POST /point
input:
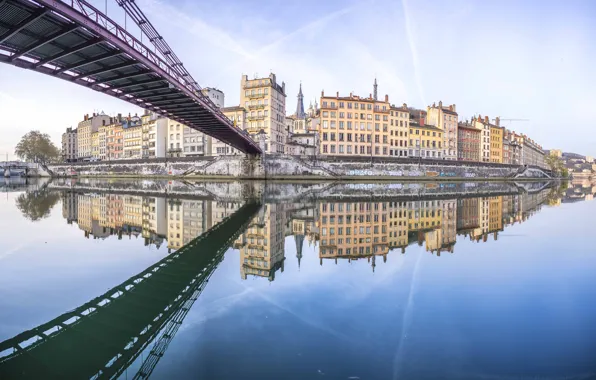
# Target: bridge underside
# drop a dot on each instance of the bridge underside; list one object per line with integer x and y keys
{"x": 85, "y": 47}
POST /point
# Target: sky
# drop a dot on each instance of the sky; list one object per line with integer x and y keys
{"x": 516, "y": 60}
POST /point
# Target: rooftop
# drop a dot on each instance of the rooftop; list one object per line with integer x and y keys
{"x": 232, "y": 109}
{"x": 426, "y": 126}
{"x": 467, "y": 126}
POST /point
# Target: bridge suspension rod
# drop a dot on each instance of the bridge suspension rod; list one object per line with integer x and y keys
{"x": 136, "y": 14}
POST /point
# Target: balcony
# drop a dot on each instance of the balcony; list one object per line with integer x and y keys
{"x": 257, "y": 83}
{"x": 256, "y": 106}
{"x": 255, "y": 96}
{"x": 262, "y": 117}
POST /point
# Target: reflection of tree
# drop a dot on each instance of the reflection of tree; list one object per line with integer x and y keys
{"x": 36, "y": 205}
{"x": 556, "y": 193}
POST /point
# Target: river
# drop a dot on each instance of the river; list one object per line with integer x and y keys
{"x": 222, "y": 280}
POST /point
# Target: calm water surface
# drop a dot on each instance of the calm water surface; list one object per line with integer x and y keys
{"x": 493, "y": 287}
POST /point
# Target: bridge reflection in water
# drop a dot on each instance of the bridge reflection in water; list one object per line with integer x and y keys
{"x": 103, "y": 337}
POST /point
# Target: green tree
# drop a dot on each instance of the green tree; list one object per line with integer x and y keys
{"x": 36, "y": 205}
{"x": 556, "y": 165}
{"x": 37, "y": 147}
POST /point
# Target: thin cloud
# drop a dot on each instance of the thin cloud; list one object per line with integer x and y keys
{"x": 413, "y": 50}
{"x": 310, "y": 27}
{"x": 198, "y": 27}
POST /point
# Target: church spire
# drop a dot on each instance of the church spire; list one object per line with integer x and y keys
{"x": 299, "y": 240}
{"x": 375, "y": 90}
{"x": 300, "y": 106}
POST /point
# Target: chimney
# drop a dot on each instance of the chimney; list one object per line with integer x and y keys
{"x": 440, "y": 104}
{"x": 451, "y": 108}
{"x": 322, "y": 93}
{"x": 486, "y": 119}
{"x": 386, "y": 98}
{"x": 498, "y": 121}
{"x": 454, "y": 108}
{"x": 337, "y": 94}
{"x": 405, "y": 106}
{"x": 370, "y": 96}
{"x": 351, "y": 95}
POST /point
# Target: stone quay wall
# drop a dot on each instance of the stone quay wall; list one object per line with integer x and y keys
{"x": 288, "y": 192}
{"x": 286, "y": 167}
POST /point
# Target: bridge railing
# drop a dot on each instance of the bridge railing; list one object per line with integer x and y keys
{"x": 180, "y": 75}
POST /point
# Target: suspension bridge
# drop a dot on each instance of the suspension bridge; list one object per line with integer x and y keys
{"x": 74, "y": 41}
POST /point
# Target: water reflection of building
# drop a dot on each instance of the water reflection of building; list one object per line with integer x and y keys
{"x": 115, "y": 210}
{"x": 301, "y": 225}
{"x": 221, "y": 210}
{"x": 480, "y": 233}
{"x": 133, "y": 215}
{"x": 262, "y": 245}
{"x": 154, "y": 221}
{"x": 448, "y": 226}
{"x": 467, "y": 215}
{"x": 195, "y": 219}
{"x": 70, "y": 206}
{"x": 495, "y": 217}
{"x": 353, "y": 230}
{"x": 424, "y": 223}
{"x": 175, "y": 224}
{"x": 333, "y": 230}
{"x": 398, "y": 225}
{"x": 84, "y": 212}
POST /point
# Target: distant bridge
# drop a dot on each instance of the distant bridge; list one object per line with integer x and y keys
{"x": 74, "y": 41}
{"x": 103, "y": 337}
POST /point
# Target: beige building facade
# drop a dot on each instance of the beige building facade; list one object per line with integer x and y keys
{"x": 69, "y": 145}
{"x": 154, "y": 135}
{"x": 426, "y": 141}
{"x": 356, "y": 126}
{"x": 84, "y": 134}
{"x": 446, "y": 119}
{"x": 95, "y": 146}
{"x": 132, "y": 137}
{"x": 484, "y": 126}
{"x": 175, "y": 143}
{"x": 264, "y": 100}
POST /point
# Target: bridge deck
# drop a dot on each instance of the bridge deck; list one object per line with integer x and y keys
{"x": 81, "y": 45}
{"x": 106, "y": 334}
